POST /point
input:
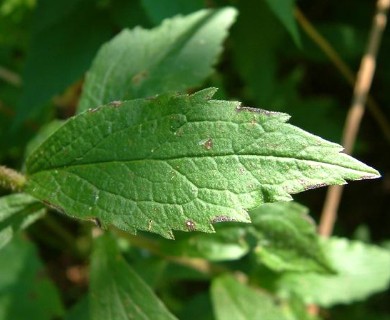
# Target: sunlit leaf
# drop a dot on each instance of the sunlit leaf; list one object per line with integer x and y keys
{"x": 287, "y": 238}
{"x": 138, "y": 63}
{"x": 180, "y": 162}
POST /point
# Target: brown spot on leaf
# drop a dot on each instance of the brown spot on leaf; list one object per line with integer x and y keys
{"x": 139, "y": 77}
{"x": 315, "y": 186}
{"x": 222, "y": 219}
{"x": 116, "y": 103}
{"x": 190, "y": 225}
{"x": 242, "y": 108}
{"x": 97, "y": 222}
{"x": 207, "y": 143}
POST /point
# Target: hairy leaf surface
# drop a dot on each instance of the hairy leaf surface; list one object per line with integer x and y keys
{"x": 180, "y": 162}
{"x": 287, "y": 238}
{"x": 140, "y": 63}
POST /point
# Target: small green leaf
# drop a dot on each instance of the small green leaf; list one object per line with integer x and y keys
{"x": 180, "y": 162}
{"x": 140, "y": 63}
{"x": 227, "y": 244}
{"x": 17, "y": 212}
{"x": 117, "y": 292}
{"x": 362, "y": 270}
{"x": 284, "y": 10}
{"x": 25, "y": 291}
{"x": 236, "y": 301}
{"x": 287, "y": 238}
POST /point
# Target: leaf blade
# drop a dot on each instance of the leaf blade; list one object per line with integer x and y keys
{"x": 180, "y": 162}
{"x": 284, "y": 11}
{"x": 362, "y": 270}
{"x": 122, "y": 295}
{"x": 234, "y": 300}
{"x": 26, "y": 291}
{"x": 287, "y": 239}
{"x": 175, "y": 56}
{"x": 17, "y": 212}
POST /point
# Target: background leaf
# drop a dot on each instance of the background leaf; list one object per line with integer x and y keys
{"x": 175, "y": 56}
{"x": 65, "y": 37}
{"x": 180, "y": 162}
{"x": 287, "y": 238}
{"x": 362, "y": 270}
{"x": 228, "y": 243}
{"x": 236, "y": 301}
{"x": 117, "y": 292}
{"x": 25, "y": 290}
{"x": 284, "y": 10}
{"x": 17, "y": 212}
{"x": 255, "y": 51}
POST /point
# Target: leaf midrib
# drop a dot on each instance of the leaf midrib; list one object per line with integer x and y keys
{"x": 278, "y": 158}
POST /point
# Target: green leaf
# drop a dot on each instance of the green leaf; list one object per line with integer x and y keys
{"x": 66, "y": 36}
{"x": 284, "y": 11}
{"x": 362, "y": 270}
{"x": 287, "y": 238}
{"x": 44, "y": 132}
{"x": 234, "y": 300}
{"x": 25, "y": 290}
{"x": 257, "y": 36}
{"x": 180, "y": 162}
{"x": 17, "y": 212}
{"x": 117, "y": 292}
{"x": 227, "y": 244}
{"x": 175, "y": 56}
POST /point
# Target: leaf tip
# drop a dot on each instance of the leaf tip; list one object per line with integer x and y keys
{"x": 205, "y": 94}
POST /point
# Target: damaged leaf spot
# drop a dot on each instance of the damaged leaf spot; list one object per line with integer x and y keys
{"x": 242, "y": 108}
{"x": 139, "y": 77}
{"x": 190, "y": 225}
{"x": 206, "y": 143}
{"x": 97, "y": 222}
{"x": 116, "y": 103}
{"x": 92, "y": 110}
{"x": 222, "y": 219}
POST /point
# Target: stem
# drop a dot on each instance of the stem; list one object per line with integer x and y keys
{"x": 11, "y": 179}
{"x": 356, "y": 111}
{"x": 10, "y": 77}
{"x": 343, "y": 68}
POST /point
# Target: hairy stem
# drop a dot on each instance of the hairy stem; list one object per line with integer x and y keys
{"x": 11, "y": 179}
